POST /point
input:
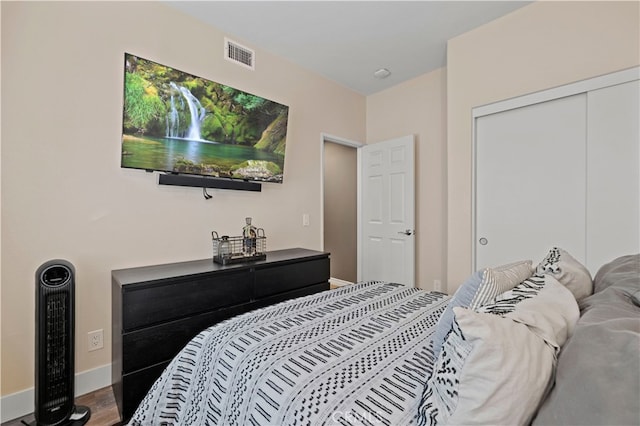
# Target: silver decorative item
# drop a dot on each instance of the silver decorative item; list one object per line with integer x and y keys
{"x": 237, "y": 249}
{"x": 249, "y": 235}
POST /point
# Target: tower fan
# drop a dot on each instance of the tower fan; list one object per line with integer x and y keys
{"x": 55, "y": 346}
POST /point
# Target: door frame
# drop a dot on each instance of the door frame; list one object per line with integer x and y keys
{"x": 599, "y": 82}
{"x": 324, "y": 138}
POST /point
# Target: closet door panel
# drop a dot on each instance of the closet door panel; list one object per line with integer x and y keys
{"x": 530, "y": 181}
{"x": 613, "y": 181}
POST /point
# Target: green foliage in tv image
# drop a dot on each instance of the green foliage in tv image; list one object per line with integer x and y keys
{"x": 175, "y": 121}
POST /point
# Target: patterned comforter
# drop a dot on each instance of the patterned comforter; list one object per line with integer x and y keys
{"x": 356, "y": 355}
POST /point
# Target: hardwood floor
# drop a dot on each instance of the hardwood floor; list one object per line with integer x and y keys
{"x": 104, "y": 411}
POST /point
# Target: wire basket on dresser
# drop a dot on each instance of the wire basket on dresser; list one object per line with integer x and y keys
{"x": 236, "y": 249}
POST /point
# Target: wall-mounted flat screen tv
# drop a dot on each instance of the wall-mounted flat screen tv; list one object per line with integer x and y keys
{"x": 180, "y": 123}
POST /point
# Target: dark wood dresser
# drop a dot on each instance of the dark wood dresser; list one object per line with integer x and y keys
{"x": 157, "y": 309}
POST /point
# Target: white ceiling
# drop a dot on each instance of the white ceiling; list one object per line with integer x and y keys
{"x": 347, "y": 41}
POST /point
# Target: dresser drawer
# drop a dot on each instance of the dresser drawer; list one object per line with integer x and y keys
{"x": 282, "y": 278}
{"x": 162, "y": 342}
{"x": 147, "y": 305}
{"x": 281, "y": 297}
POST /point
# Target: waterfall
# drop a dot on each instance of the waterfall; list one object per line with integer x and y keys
{"x": 196, "y": 111}
{"x": 173, "y": 120}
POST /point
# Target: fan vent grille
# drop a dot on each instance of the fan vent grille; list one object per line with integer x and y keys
{"x": 57, "y": 342}
{"x": 239, "y": 54}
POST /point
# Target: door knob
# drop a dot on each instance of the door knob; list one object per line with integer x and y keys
{"x": 483, "y": 241}
{"x": 407, "y": 232}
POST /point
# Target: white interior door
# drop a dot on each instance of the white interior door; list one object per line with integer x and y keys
{"x": 388, "y": 211}
{"x": 530, "y": 181}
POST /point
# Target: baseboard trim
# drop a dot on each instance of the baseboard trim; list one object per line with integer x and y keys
{"x": 337, "y": 282}
{"x": 21, "y": 403}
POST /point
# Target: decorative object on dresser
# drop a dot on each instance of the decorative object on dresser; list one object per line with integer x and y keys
{"x": 157, "y": 309}
{"x": 251, "y": 245}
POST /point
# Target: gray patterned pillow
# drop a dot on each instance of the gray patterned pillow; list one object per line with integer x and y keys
{"x": 566, "y": 269}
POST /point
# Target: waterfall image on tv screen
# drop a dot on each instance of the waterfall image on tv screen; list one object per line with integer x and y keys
{"x": 177, "y": 122}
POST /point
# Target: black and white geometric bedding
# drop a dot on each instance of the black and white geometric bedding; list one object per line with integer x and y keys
{"x": 360, "y": 354}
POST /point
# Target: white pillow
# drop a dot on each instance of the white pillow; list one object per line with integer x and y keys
{"x": 496, "y": 364}
{"x": 492, "y": 370}
{"x": 570, "y": 272}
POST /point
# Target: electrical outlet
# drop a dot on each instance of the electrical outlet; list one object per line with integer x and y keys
{"x": 305, "y": 219}
{"x": 437, "y": 285}
{"x": 96, "y": 340}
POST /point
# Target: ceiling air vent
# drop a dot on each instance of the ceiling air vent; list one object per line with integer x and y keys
{"x": 239, "y": 54}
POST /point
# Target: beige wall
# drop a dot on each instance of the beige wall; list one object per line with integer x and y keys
{"x": 340, "y": 209}
{"x": 418, "y": 107}
{"x": 64, "y": 194}
{"x": 543, "y": 45}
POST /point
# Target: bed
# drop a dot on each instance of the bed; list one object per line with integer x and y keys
{"x": 379, "y": 353}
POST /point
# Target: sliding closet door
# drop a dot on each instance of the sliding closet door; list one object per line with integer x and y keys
{"x": 613, "y": 181}
{"x": 530, "y": 181}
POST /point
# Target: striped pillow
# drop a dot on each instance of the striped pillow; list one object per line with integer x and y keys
{"x": 498, "y": 280}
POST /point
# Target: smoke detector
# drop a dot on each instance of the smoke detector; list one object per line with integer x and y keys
{"x": 239, "y": 54}
{"x": 382, "y": 73}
